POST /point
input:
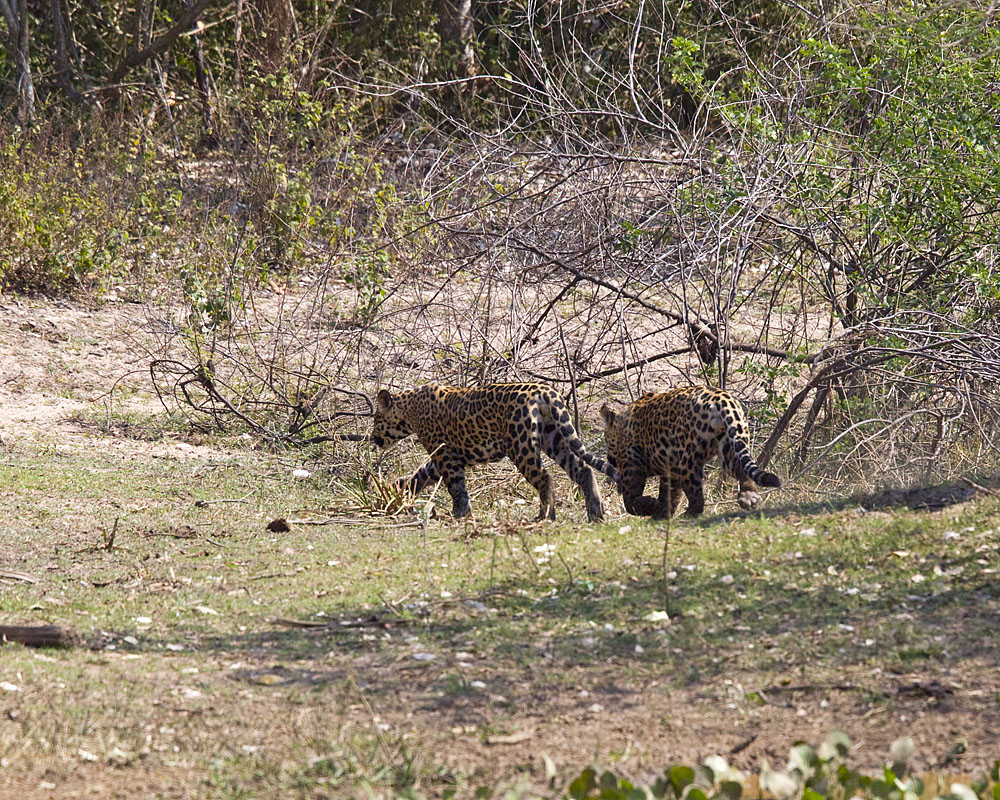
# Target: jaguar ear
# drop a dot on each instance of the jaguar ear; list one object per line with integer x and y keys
{"x": 608, "y": 416}
{"x": 384, "y": 400}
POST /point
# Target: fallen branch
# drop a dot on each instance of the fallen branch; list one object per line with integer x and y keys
{"x": 350, "y": 521}
{"x": 373, "y": 621}
{"x": 13, "y": 575}
{"x": 38, "y": 635}
{"x": 203, "y": 503}
{"x": 972, "y": 484}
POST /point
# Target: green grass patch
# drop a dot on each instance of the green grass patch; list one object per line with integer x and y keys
{"x": 193, "y": 673}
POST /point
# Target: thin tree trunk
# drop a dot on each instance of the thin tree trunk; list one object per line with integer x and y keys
{"x": 18, "y": 43}
{"x": 458, "y": 52}
{"x": 209, "y": 139}
{"x": 455, "y": 26}
{"x": 238, "y": 43}
{"x": 62, "y": 59}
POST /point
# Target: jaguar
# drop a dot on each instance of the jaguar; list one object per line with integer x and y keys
{"x": 462, "y": 426}
{"x": 671, "y": 435}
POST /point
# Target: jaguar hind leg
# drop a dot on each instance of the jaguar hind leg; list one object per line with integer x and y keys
{"x": 527, "y": 457}
{"x": 558, "y": 448}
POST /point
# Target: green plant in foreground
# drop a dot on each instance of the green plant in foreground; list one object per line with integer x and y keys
{"x": 811, "y": 774}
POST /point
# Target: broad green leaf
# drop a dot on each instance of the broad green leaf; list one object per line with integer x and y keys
{"x": 680, "y": 776}
{"x": 582, "y": 784}
{"x": 731, "y": 790}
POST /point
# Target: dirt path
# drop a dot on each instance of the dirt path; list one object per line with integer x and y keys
{"x": 57, "y": 359}
{"x": 63, "y": 366}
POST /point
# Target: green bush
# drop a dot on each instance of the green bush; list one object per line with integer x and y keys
{"x": 54, "y": 227}
{"x": 811, "y": 774}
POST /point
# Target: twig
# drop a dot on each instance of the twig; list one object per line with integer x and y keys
{"x": 184, "y": 532}
{"x": 203, "y": 503}
{"x": 352, "y": 521}
{"x": 374, "y": 718}
{"x": 666, "y": 547}
{"x": 812, "y": 687}
{"x": 980, "y": 488}
{"x": 373, "y": 621}
{"x": 13, "y": 575}
{"x": 569, "y": 572}
{"x": 572, "y": 381}
{"x": 606, "y": 373}
{"x": 545, "y": 312}
{"x": 266, "y": 575}
{"x": 110, "y": 541}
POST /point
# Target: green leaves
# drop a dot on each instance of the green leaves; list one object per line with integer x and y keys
{"x": 680, "y": 777}
{"x": 811, "y": 774}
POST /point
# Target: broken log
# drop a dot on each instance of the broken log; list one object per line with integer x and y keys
{"x": 38, "y": 635}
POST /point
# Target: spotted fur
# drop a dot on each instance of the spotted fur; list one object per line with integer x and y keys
{"x": 459, "y": 427}
{"x": 671, "y": 435}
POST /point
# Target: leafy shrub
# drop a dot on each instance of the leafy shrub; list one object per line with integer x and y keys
{"x": 811, "y": 774}
{"x": 54, "y": 230}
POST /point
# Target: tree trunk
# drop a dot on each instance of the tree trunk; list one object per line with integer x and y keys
{"x": 275, "y": 22}
{"x": 17, "y": 44}
{"x": 209, "y": 139}
{"x": 458, "y": 36}
{"x": 62, "y": 58}
{"x": 458, "y": 52}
